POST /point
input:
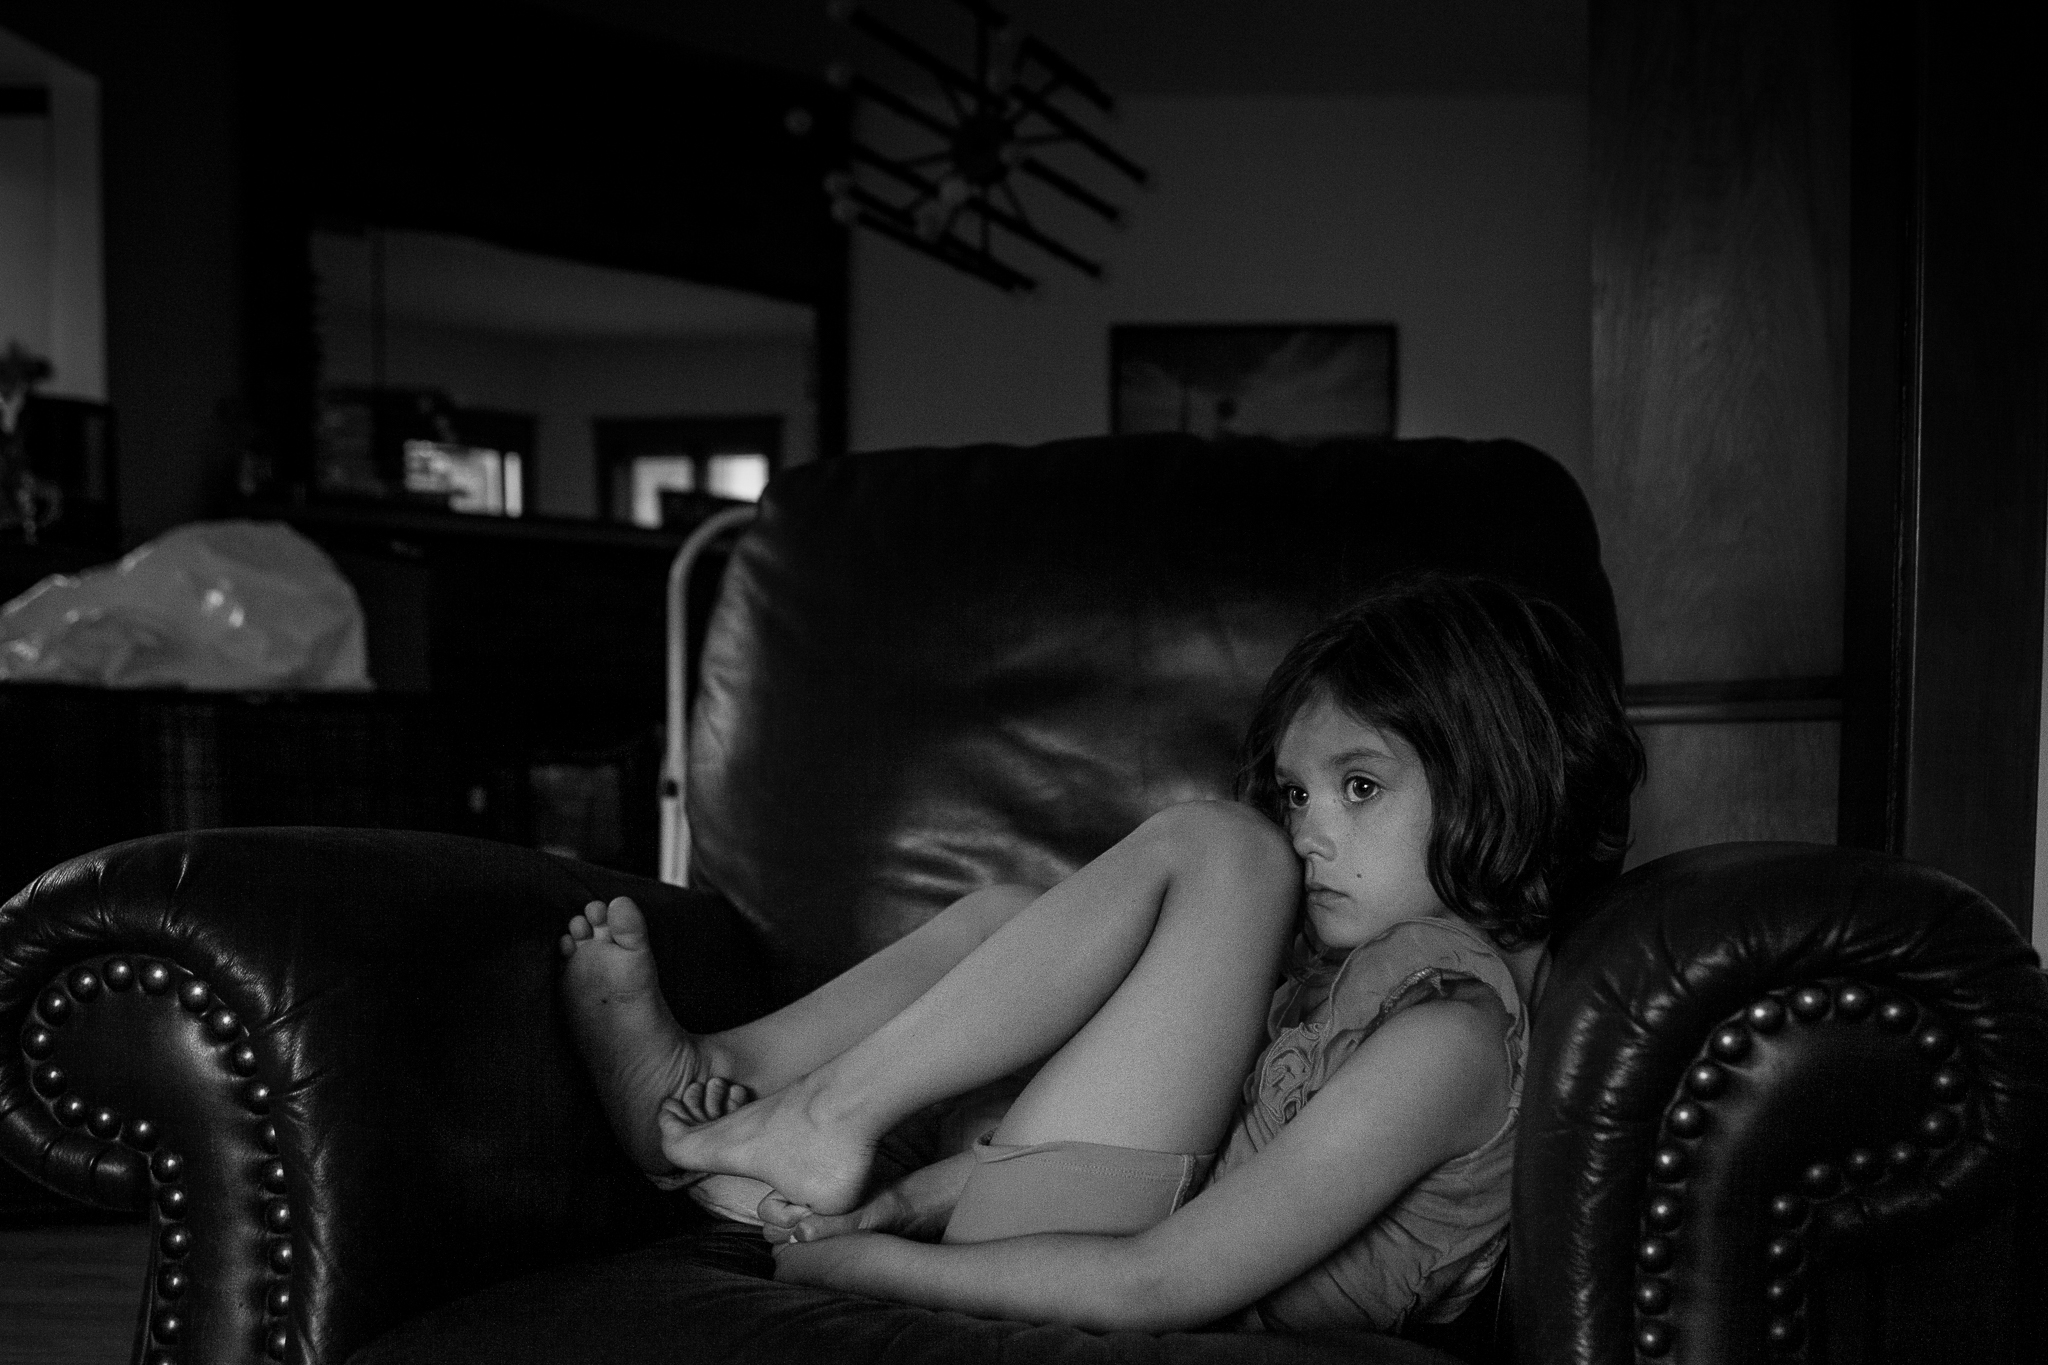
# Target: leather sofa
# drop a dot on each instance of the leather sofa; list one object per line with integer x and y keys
{"x": 1786, "y": 1102}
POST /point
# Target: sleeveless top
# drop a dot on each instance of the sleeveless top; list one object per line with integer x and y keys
{"x": 1429, "y": 1252}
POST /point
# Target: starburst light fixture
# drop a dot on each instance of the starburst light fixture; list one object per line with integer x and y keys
{"x": 994, "y": 127}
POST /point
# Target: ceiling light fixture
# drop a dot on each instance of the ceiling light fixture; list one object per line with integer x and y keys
{"x": 993, "y": 127}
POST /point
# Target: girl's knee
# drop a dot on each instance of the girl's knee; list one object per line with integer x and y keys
{"x": 1227, "y": 838}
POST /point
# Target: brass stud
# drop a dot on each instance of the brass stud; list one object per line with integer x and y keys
{"x": 156, "y": 978}
{"x": 161, "y": 1357}
{"x": 1854, "y": 1001}
{"x": 171, "y": 1282}
{"x": 1820, "y": 1179}
{"x": 84, "y": 983}
{"x": 1664, "y": 1212}
{"x": 1670, "y": 1164}
{"x": 1863, "y": 1165}
{"x": 1935, "y": 1042}
{"x": 104, "y": 1124}
{"x": 281, "y": 1257}
{"x": 173, "y": 1201}
{"x": 1788, "y": 1208}
{"x": 70, "y": 1111}
{"x": 266, "y": 1136}
{"x": 1783, "y": 1294}
{"x": 1902, "y": 1155}
{"x": 1896, "y": 1014}
{"x": 256, "y": 1097}
{"x": 1654, "y": 1253}
{"x": 273, "y": 1176}
{"x": 242, "y": 1059}
{"x": 276, "y": 1342}
{"x": 38, "y": 1042}
{"x": 195, "y": 996}
{"x": 55, "y": 1005}
{"x": 1786, "y": 1331}
{"x": 1730, "y": 1044}
{"x": 120, "y": 973}
{"x": 223, "y": 1024}
{"x": 49, "y": 1080}
{"x": 277, "y": 1216}
{"x": 279, "y": 1300}
{"x": 1688, "y": 1120}
{"x": 1706, "y": 1080}
{"x": 1938, "y": 1128}
{"x": 1784, "y": 1252}
{"x": 1810, "y": 1002}
{"x": 167, "y": 1166}
{"x": 166, "y": 1324}
{"x": 1652, "y": 1296}
{"x": 1766, "y": 1015}
{"x": 175, "y": 1241}
{"x": 1653, "y": 1338}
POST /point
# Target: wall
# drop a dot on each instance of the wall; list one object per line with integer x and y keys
{"x": 52, "y": 296}
{"x": 567, "y": 383}
{"x": 171, "y": 211}
{"x": 1460, "y": 219}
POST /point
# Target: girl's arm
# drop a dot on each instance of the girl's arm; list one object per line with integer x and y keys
{"x": 1428, "y": 1086}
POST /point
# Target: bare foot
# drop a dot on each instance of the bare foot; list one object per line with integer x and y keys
{"x": 782, "y": 1139}
{"x": 638, "y": 1055}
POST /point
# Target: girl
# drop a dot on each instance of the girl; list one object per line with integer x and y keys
{"x": 1429, "y": 782}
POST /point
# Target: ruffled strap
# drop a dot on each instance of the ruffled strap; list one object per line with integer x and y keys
{"x": 1413, "y": 960}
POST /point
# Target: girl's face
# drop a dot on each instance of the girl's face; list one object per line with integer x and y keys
{"x": 1359, "y": 815}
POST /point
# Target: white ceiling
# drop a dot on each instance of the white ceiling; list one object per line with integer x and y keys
{"x": 1178, "y": 47}
{"x": 455, "y": 282}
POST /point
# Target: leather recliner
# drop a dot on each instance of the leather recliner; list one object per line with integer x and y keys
{"x": 1785, "y": 1102}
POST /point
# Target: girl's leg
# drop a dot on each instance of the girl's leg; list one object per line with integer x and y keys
{"x": 639, "y": 1056}
{"x": 1191, "y": 912}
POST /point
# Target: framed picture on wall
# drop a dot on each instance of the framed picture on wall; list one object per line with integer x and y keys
{"x": 1292, "y": 382}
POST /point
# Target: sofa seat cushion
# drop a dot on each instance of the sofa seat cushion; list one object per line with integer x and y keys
{"x": 707, "y": 1296}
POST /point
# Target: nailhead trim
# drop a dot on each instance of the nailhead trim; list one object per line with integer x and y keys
{"x": 1790, "y": 1210}
{"x": 54, "y": 1010}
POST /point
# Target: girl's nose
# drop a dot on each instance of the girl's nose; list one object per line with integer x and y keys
{"x": 1306, "y": 833}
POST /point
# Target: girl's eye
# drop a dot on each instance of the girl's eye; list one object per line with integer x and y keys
{"x": 1294, "y": 797}
{"x": 1360, "y": 788}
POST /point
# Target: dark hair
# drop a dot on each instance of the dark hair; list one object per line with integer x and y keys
{"x": 1517, "y": 719}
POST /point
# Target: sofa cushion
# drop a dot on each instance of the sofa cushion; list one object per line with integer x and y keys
{"x": 706, "y": 1297}
{"x": 934, "y": 669}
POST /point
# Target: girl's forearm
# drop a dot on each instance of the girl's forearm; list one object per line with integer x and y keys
{"x": 1097, "y": 1283}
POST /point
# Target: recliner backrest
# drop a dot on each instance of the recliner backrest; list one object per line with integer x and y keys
{"x": 933, "y": 669}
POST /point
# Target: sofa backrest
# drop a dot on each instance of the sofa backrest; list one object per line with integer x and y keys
{"x": 933, "y": 669}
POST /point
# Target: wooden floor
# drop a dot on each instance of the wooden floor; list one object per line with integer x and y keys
{"x": 69, "y": 1295}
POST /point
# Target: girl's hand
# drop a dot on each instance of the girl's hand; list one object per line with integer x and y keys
{"x": 916, "y": 1207}
{"x": 783, "y": 1223}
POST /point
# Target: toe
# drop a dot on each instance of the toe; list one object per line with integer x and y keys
{"x": 568, "y": 946}
{"x": 579, "y": 928}
{"x": 629, "y": 926}
{"x": 737, "y": 1096}
{"x": 714, "y": 1097}
{"x": 691, "y": 1100}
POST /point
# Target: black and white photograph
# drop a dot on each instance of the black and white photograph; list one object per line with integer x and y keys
{"x": 1170, "y": 682}
{"x": 1300, "y": 383}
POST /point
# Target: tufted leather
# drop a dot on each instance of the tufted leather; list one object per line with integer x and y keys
{"x": 933, "y": 669}
{"x": 336, "y": 1067}
{"x": 1753, "y": 1059}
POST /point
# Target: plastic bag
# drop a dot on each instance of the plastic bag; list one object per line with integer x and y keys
{"x": 223, "y": 606}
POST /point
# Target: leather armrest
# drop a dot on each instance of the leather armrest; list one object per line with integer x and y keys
{"x": 1755, "y": 1061}
{"x": 334, "y": 1063}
